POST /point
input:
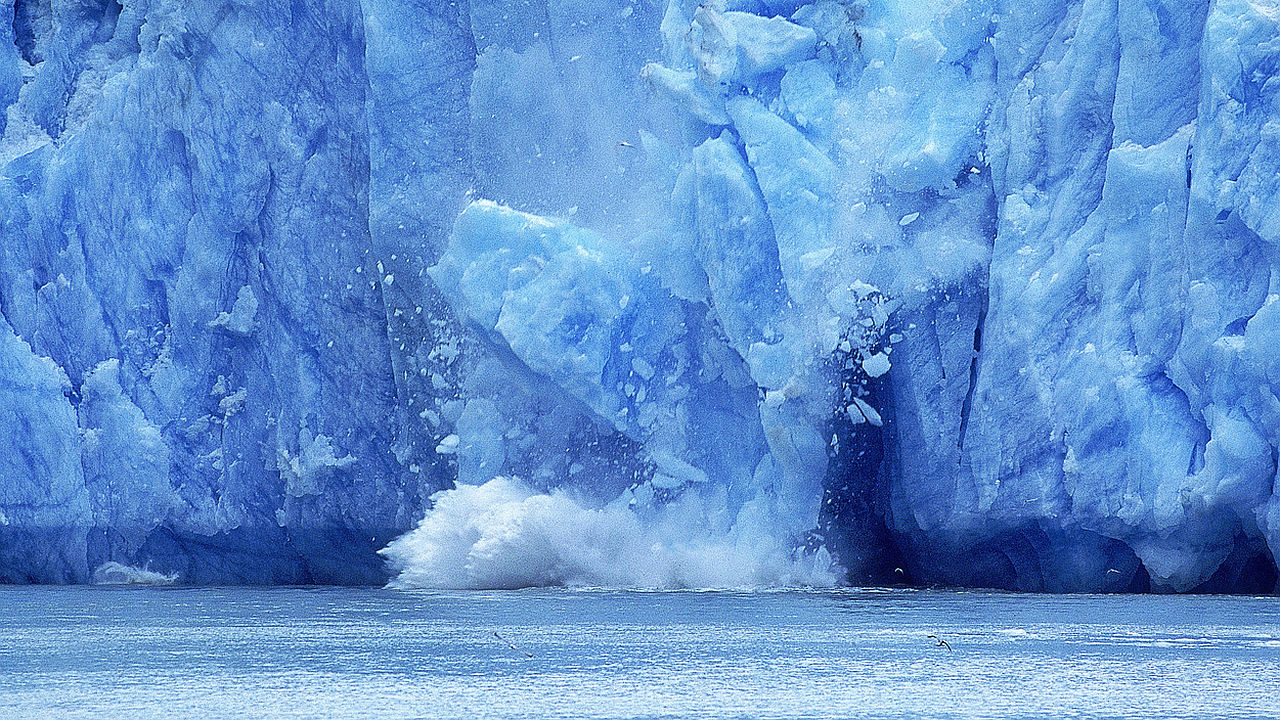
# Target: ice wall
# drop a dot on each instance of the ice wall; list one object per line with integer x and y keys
{"x": 965, "y": 292}
{"x": 204, "y": 375}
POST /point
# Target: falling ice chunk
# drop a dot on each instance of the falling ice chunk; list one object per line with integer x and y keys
{"x": 860, "y": 412}
{"x": 876, "y": 365}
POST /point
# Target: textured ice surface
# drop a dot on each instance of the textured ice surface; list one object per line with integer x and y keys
{"x": 973, "y": 292}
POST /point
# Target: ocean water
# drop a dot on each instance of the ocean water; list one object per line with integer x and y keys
{"x": 125, "y": 653}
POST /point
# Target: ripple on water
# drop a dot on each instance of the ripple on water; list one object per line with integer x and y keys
{"x": 348, "y": 653}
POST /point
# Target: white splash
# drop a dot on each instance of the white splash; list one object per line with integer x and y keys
{"x": 504, "y": 535}
{"x": 114, "y": 573}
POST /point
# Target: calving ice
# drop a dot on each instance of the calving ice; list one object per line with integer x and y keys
{"x": 720, "y": 294}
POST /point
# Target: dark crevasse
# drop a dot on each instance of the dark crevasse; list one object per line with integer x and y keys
{"x": 32, "y": 25}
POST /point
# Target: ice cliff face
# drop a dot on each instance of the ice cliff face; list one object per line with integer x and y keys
{"x": 187, "y": 239}
{"x": 758, "y": 292}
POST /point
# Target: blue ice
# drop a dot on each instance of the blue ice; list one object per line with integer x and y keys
{"x": 731, "y": 293}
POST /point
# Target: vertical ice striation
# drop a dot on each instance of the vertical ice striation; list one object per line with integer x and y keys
{"x": 186, "y": 239}
{"x": 44, "y": 505}
{"x": 642, "y": 292}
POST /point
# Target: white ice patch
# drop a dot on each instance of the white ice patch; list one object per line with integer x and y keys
{"x": 503, "y": 535}
{"x": 316, "y": 461}
{"x": 240, "y": 321}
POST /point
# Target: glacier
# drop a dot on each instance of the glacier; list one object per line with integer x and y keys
{"x": 641, "y": 293}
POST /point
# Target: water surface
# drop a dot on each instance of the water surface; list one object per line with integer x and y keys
{"x": 86, "y": 652}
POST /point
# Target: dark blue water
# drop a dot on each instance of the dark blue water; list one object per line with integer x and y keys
{"x": 343, "y": 653}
